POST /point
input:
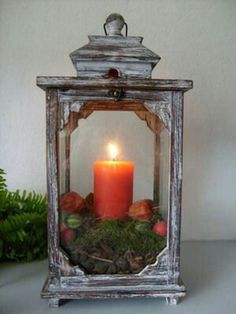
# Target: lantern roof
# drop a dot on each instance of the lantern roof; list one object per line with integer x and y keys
{"x": 114, "y": 55}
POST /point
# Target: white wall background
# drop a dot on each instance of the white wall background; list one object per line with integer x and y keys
{"x": 196, "y": 40}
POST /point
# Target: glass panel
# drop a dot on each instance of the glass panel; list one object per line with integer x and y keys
{"x": 164, "y": 172}
{"x": 109, "y": 221}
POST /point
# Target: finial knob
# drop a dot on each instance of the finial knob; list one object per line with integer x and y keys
{"x": 114, "y": 24}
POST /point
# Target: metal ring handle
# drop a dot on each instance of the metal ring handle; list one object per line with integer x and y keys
{"x": 126, "y": 29}
{"x": 104, "y": 27}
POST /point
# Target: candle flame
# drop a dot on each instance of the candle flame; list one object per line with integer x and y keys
{"x": 113, "y": 151}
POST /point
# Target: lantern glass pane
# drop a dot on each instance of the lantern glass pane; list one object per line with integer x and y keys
{"x": 127, "y": 236}
{"x": 164, "y": 172}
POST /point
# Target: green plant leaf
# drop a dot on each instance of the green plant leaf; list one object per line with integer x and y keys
{"x": 23, "y": 224}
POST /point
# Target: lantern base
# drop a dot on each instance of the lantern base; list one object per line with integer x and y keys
{"x": 105, "y": 288}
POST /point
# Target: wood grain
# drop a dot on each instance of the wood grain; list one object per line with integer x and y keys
{"x": 65, "y": 83}
{"x": 52, "y": 181}
{"x": 159, "y": 279}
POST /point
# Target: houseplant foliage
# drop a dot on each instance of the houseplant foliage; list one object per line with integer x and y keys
{"x": 23, "y": 227}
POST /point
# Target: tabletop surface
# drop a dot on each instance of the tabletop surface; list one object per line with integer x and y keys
{"x": 208, "y": 271}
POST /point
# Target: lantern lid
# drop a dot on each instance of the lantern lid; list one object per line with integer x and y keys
{"x": 114, "y": 55}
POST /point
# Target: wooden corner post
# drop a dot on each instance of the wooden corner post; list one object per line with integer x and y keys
{"x": 52, "y": 180}
{"x": 176, "y": 169}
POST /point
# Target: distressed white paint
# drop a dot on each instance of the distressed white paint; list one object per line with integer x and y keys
{"x": 196, "y": 40}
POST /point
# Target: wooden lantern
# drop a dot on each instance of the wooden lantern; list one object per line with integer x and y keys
{"x": 114, "y": 73}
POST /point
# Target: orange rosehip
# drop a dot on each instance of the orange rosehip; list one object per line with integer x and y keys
{"x": 141, "y": 210}
{"x": 71, "y": 202}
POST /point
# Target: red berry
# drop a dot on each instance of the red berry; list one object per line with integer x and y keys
{"x": 160, "y": 228}
{"x": 63, "y": 227}
{"x": 67, "y": 235}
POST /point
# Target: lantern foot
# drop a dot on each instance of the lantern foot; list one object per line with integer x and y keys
{"x": 172, "y": 300}
{"x": 54, "y": 302}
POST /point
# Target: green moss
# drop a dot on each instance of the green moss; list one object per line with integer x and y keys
{"x": 120, "y": 235}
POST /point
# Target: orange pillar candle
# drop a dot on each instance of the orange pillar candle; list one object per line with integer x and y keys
{"x": 113, "y": 188}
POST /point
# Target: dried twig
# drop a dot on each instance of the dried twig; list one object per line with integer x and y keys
{"x": 96, "y": 257}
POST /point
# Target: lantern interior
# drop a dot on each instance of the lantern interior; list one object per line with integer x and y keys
{"x": 113, "y": 246}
